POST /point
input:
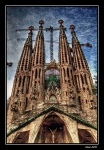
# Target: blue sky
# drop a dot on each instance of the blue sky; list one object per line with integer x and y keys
{"x": 85, "y": 19}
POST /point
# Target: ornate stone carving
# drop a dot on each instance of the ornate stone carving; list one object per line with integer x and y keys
{"x": 14, "y": 107}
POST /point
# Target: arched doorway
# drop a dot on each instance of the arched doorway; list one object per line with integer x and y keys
{"x": 53, "y": 130}
{"x": 85, "y": 136}
{"x": 22, "y": 137}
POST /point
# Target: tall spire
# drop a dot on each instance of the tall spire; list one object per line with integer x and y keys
{"x": 38, "y": 60}
{"x": 22, "y": 78}
{"x": 24, "y": 66}
{"x": 26, "y": 53}
{"x": 79, "y": 58}
{"x": 39, "y": 53}
{"x": 66, "y": 68}
{"x": 74, "y": 38}
{"x": 62, "y": 29}
{"x": 64, "y": 49}
{"x": 40, "y": 32}
{"x": 82, "y": 75}
{"x": 29, "y": 39}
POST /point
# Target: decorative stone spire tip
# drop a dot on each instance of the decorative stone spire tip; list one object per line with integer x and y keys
{"x": 60, "y": 22}
{"x": 41, "y": 22}
{"x": 31, "y": 28}
{"x": 72, "y": 27}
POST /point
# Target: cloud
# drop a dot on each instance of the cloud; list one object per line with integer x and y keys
{"x": 84, "y": 19}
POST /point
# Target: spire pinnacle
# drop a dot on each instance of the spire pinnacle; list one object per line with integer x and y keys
{"x": 72, "y": 27}
{"x": 31, "y": 28}
{"x": 41, "y": 22}
{"x": 29, "y": 39}
{"x": 75, "y": 39}
{"x": 60, "y": 22}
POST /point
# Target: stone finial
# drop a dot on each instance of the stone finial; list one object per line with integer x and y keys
{"x": 60, "y": 22}
{"x": 41, "y": 22}
{"x": 72, "y": 27}
{"x": 31, "y": 28}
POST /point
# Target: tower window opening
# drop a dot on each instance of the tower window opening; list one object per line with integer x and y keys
{"x": 19, "y": 81}
{"x": 68, "y": 72}
{"x": 23, "y": 81}
{"x": 83, "y": 88}
{"x": 85, "y": 78}
{"x": 64, "y": 72}
{"x": 35, "y": 73}
{"x": 22, "y": 91}
{"x": 26, "y": 101}
{"x": 86, "y": 101}
{"x": 79, "y": 101}
{"x": 82, "y": 79}
{"x": 75, "y": 80}
{"x": 87, "y": 88}
{"x": 39, "y": 72}
{"x": 17, "y": 92}
{"x": 28, "y": 82}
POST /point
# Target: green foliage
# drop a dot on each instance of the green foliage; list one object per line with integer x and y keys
{"x": 52, "y": 78}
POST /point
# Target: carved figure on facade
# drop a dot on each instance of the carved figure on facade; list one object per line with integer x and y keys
{"x": 14, "y": 106}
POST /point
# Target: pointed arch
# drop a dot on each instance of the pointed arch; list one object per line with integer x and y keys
{"x": 22, "y": 137}
{"x": 85, "y": 136}
{"x": 53, "y": 130}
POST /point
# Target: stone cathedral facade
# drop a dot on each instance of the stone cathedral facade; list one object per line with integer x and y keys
{"x": 52, "y": 102}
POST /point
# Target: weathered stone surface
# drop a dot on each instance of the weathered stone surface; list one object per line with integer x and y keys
{"x": 39, "y": 85}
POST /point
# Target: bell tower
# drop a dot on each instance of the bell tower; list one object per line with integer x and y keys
{"x": 83, "y": 79}
{"x": 20, "y": 90}
{"x": 37, "y": 68}
{"x": 52, "y": 102}
{"x": 68, "y": 91}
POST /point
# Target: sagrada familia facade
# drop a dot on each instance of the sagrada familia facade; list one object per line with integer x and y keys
{"x": 52, "y": 102}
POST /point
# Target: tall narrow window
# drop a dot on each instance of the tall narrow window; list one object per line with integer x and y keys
{"x": 35, "y": 73}
{"x": 26, "y": 101}
{"x": 28, "y": 82}
{"x": 82, "y": 79}
{"x": 39, "y": 72}
{"x": 19, "y": 81}
{"x": 85, "y": 78}
{"x": 78, "y": 81}
{"x": 75, "y": 80}
{"x": 64, "y": 71}
{"x": 79, "y": 101}
{"x": 23, "y": 81}
{"x": 68, "y": 72}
